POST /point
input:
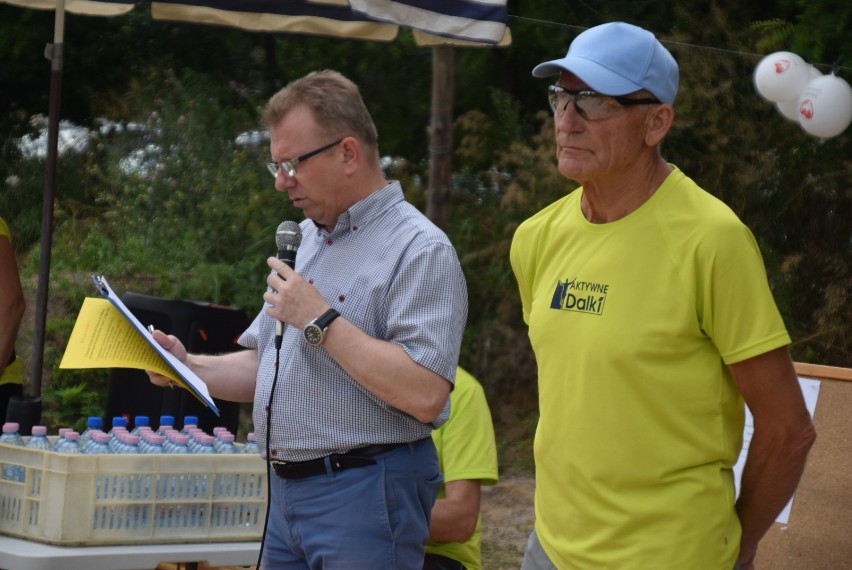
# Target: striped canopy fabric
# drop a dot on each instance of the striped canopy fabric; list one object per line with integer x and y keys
{"x": 482, "y": 21}
{"x": 83, "y": 7}
{"x": 464, "y": 23}
{"x": 318, "y": 17}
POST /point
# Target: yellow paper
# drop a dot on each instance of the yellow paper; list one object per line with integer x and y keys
{"x": 102, "y": 338}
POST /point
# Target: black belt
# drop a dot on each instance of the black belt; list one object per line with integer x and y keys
{"x": 361, "y": 457}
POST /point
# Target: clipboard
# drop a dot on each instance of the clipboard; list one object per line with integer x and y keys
{"x": 186, "y": 377}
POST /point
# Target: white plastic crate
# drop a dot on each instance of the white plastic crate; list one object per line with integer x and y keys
{"x": 129, "y": 499}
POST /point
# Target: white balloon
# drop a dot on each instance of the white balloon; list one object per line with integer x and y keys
{"x": 781, "y": 76}
{"x": 813, "y": 73}
{"x": 825, "y": 106}
{"x": 790, "y": 108}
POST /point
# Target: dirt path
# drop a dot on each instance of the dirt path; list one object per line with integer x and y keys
{"x": 507, "y": 519}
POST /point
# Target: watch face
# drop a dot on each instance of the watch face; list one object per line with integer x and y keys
{"x": 313, "y": 334}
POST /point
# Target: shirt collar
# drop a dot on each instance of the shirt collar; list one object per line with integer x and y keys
{"x": 367, "y": 209}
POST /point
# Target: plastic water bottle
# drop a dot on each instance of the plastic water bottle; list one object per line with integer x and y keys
{"x": 217, "y": 432}
{"x": 178, "y": 444}
{"x": 61, "y": 439}
{"x": 140, "y": 422}
{"x": 119, "y": 425}
{"x": 223, "y": 483}
{"x": 204, "y": 444}
{"x": 144, "y": 433}
{"x": 143, "y": 441}
{"x": 116, "y": 438}
{"x": 116, "y": 442}
{"x": 71, "y": 445}
{"x": 128, "y": 443}
{"x": 177, "y": 482}
{"x": 200, "y": 489}
{"x": 10, "y": 436}
{"x": 188, "y": 422}
{"x": 98, "y": 443}
{"x": 251, "y": 445}
{"x": 191, "y": 430}
{"x": 92, "y": 423}
{"x": 118, "y": 421}
{"x": 166, "y": 423}
{"x": 38, "y": 439}
{"x": 167, "y": 442}
{"x": 227, "y": 445}
{"x": 193, "y": 435}
{"x": 165, "y": 429}
{"x": 153, "y": 444}
{"x": 169, "y": 435}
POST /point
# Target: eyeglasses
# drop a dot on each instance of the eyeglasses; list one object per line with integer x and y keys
{"x": 591, "y": 105}
{"x": 288, "y": 167}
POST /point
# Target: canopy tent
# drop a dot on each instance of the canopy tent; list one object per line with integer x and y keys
{"x": 482, "y": 21}
{"x": 437, "y": 23}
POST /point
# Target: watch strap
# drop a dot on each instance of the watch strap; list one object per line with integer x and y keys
{"x": 325, "y": 319}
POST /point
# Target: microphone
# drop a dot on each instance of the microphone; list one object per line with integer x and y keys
{"x": 288, "y": 238}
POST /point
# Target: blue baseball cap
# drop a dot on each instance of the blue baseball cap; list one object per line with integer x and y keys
{"x": 616, "y": 59}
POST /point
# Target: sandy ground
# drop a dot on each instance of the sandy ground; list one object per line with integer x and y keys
{"x": 507, "y": 519}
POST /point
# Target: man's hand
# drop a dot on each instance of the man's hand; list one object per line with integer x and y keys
{"x": 293, "y": 300}
{"x": 173, "y": 345}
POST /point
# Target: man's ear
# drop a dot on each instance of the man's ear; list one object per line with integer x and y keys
{"x": 351, "y": 152}
{"x": 658, "y": 123}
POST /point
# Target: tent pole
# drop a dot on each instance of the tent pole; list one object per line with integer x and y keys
{"x": 54, "y": 52}
{"x": 440, "y": 135}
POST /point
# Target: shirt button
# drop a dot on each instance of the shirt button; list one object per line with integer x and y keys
{"x": 329, "y": 241}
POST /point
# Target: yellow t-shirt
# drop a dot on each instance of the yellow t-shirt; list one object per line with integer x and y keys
{"x": 466, "y": 450}
{"x": 632, "y": 323}
{"x": 14, "y": 372}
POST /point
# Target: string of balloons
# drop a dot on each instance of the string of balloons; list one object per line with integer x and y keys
{"x": 821, "y": 104}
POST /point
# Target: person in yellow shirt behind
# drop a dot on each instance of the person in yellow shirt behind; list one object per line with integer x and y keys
{"x": 12, "y": 306}
{"x": 467, "y": 457}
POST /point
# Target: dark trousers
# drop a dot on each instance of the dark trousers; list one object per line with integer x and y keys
{"x": 438, "y": 562}
{"x": 6, "y": 392}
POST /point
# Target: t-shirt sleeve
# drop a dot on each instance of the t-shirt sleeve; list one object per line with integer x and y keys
{"x": 468, "y": 448}
{"x": 736, "y": 306}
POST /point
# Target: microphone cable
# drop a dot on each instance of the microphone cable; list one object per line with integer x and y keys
{"x": 267, "y": 445}
{"x": 288, "y": 238}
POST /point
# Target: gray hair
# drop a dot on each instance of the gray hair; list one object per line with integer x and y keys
{"x": 335, "y": 102}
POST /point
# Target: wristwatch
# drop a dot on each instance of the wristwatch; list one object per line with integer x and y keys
{"x": 314, "y": 331}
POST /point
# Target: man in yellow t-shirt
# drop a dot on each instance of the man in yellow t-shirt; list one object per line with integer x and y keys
{"x": 12, "y": 306}
{"x": 467, "y": 456}
{"x": 652, "y": 322}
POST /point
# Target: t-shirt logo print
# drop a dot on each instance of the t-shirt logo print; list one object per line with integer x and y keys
{"x": 579, "y": 296}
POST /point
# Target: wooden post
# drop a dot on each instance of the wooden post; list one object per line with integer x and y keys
{"x": 55, "y": 52}
{"x": 440, "y": 135}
